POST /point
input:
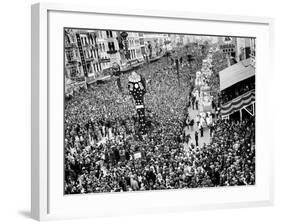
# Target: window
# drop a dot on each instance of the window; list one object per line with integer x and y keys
{"x": 69, "y": 55}
{"x": 86, "y": 40}
{"x": 89, "y": 68}
{"x": 109, "y": 34}
{"x": 73, "y": 72}
{"x": 111, "y": 46}
{"x": 90, "y": 40}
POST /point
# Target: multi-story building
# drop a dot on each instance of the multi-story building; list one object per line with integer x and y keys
{"x": 103, "y": 48}
{"x": 142, "y": 44}
{"x": 245, "y": 48}
{"x": 228, "y": 45}
{"x": 176, "y": 40}
{"x": 73, "y": 65}
{"x": 89, "y": 53}
{"x": 112, "y": 47}
{"x": 237, "y": 48}
{"x": 134, "y": 47}
{"x": 155, "y": 43}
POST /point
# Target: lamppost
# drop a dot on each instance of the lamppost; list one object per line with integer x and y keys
{"x": 150, "y": 50}
{"x": 97, "y": 49}
{"x": 168, "y": 53}
{"x": 124, "y": 40}
{"x": 175, "y": 58}
{"x": 117, "y": 73}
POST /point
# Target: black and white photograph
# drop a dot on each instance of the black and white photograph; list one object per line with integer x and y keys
{"x": 157, "y": 111}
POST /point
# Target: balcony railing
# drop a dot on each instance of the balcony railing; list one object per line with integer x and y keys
{"x": 112, "y": 51}
{"x": 71, "y": 45}
{"x": 72, "y": 60}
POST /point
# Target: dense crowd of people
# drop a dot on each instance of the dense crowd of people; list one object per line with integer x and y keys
{"x": 105, "y": 153}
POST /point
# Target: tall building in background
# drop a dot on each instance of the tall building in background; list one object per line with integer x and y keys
{"x": 134, "y": 47}
{"x": 142, "y": 44}
{"x": 112, "y": 47}
{"x": 245, "y": 48}
{"x": 103, "y": 48}
{"x": 156, "y": 43}
{"x": 176, "y": 40}
{"x": 73, "y": 65}
{"x": 237, "y": 48}
{"x": 89, "y": 52}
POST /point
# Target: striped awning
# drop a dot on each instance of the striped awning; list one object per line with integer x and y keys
{"x": 238, "y": 103}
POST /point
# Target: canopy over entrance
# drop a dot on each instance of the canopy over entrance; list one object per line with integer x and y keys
{"x": 236, "y": 73}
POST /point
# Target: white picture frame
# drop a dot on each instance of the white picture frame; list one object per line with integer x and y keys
{"x": 46, "y": 199}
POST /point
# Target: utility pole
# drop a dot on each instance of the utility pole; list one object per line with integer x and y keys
{"x": 178, "y": 72}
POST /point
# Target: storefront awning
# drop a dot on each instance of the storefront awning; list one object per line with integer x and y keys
{"x": 236, "y": 73}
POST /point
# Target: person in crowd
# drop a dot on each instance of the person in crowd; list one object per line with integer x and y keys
{"x": 191, "y": 124}
{"x": 211, "y": 128}
{"x": 193, "y": 102}
{"x": 187, "y": 122}
{"x": 196, "y": 138}
{"x": 201, "y": 128}
{"x": 197, "y": 120}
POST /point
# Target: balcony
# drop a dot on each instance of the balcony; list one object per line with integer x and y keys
{"x": 90, "y": 59}
{"x": 71, "y": 45}
{"x": 72, "y": 60}
{"x": 112, "y": 52}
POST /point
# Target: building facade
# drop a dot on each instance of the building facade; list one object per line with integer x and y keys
{"x": 156, "y": 44}
{"x": 237, "y": 48}
{"x": 90, "y": 53}
{"x": 134, "y": 47}
{"x": 112, "y": 47}
{"x": 245, "y": 48}
{"x": 73, "y": 65}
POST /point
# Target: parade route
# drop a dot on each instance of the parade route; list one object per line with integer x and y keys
{"x": 201, "y": 140}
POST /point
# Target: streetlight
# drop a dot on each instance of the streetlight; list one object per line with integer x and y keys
{"x": 124, "y": 36}
{"x": 117, "y": 73}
